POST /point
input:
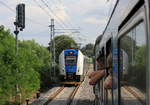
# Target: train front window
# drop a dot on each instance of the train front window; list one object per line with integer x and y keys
{"x": 133, "y": 66}
{"x": 71, "y": 60}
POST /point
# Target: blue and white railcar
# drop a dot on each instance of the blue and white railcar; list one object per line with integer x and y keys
{"x": 72, "y": 65}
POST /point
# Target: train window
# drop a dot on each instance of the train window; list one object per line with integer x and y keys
{"x": 71, "y": 60}
{"x": 133, "y": 66}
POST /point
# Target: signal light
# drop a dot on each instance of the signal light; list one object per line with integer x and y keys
{"x": 71, "y": 52}
{"x": 20, "y": 19}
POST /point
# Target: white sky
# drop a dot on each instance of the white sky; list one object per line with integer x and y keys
{"x": 89, "y": 15}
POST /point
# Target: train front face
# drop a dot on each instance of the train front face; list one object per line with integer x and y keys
{"x": 71, "y": 56}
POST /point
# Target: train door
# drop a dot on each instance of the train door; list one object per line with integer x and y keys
{"x": 133, "y": 61}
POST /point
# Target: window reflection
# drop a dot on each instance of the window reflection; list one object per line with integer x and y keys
{"x": 133, "y": 66}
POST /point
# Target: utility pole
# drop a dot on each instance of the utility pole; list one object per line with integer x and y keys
{"x": 52, "y": 47}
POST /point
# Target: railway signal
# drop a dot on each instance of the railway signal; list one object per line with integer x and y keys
{"x": 20, "y": 21}
{"x": 19, "y": 26}
{"x": 20, "y": 18}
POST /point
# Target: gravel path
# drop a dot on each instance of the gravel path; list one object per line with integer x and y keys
{"x": 61, "y": 99}
{"x": 85, "y": 95}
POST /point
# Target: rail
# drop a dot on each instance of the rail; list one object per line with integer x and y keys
{"x": 70, "y": 99}
{"x": 54, "y": 95}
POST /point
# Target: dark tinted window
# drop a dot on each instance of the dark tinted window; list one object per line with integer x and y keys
{"x": 71, "y": 60}
{"x": 133, "y": 66}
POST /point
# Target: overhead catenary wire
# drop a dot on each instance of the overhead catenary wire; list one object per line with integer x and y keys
{"x": 59, "y": 41}
{"x": 4, "y": 4}
{"x": 45, "y": 2}
{"x": 33, "y": 21}
{"x": 29, "y": 19}
{"x": 13, "y": 11}
{"x": 60, "y": 24}
{"x": 67, "y": 13}
{"x": 57, "y": 18}
{"x": 56, "y": 29}
{"x": 47, "y": 13}
{"x": 69, "y": 21}
{"x": 79, "y": 38}
{"x": 59, "y": 1}
{"x": 53, "y": 3}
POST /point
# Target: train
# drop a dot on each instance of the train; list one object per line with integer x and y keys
{"x": 127, "y": 37}
{"x": 73, "y": 65}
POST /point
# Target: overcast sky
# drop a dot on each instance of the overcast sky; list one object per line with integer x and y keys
{"x": 90, "y": 16}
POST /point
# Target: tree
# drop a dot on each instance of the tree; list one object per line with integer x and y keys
{"x": 7, "y": 57}
{"x": 40, "y": 58}
{"x": 88, "y": 50}
{"x": 26, "y": 70}
{"x": 63, "y": 42}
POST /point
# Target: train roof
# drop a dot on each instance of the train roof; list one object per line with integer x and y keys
{"x": 71, "y": 50}
{"x": 98, "y": 39}
{"x": 119, "y": 14}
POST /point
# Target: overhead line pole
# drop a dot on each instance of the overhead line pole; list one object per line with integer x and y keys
{"x": 52, "y": 47}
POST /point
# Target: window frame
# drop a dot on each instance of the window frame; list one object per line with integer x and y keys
{"x": 135, "y": 20}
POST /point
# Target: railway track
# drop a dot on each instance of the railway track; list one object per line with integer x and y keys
{"x": 69, "y": 99}
{"x": 54, "y": 95}
{"x": 137, "y": 96}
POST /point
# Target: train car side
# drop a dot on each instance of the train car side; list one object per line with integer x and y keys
{"x": 127, "y": 37}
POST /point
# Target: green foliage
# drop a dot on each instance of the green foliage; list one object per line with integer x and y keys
{"x": 24, "y": 70}
{"x": 140, "y": 67}
{"x": 88, "y": 50}
{"x": 64, "y": 42}
{"x": 7, "y": 53}
{"x": 39, "y": 58}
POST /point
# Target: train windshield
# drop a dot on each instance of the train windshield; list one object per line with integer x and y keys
{"x": 71, "y": 60}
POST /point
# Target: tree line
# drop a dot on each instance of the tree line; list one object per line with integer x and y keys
{"x": 29, "y": 71}
{"x": 22, "y": 74}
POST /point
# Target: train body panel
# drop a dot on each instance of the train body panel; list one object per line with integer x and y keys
{"x": 127, "y": 37}
{"x": 80, "y": 64}
{"x": 62, "y": 63}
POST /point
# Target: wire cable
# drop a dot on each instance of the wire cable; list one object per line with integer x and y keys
{"x": 31, "y": 20}
{"x": 69, "y": 21}
{"x": 53, "y": 13}
{"x": 46, "y": 12}
{"x": 59, "y": 1}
